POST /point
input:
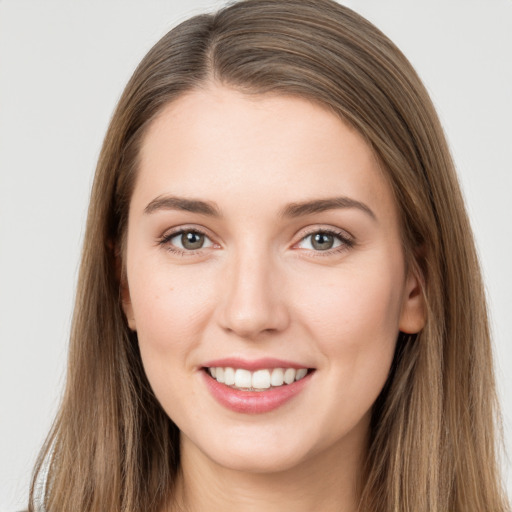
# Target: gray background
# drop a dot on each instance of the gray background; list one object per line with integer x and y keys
{"x": 62, "y": 68}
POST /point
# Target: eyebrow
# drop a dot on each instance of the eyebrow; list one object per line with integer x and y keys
{"x": 181, "y": 203}
{"x": 292, "y": 210}
{"x": 321, "y": 205}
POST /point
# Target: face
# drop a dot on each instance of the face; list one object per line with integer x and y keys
{"x": 265, "y": 277}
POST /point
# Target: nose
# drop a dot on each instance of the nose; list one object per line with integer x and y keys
{"x": 252, "y": 298}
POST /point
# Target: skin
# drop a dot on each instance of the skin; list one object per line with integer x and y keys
{"x": 259, "y": 288}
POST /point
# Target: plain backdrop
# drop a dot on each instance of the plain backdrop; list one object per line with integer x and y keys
{"x": 63, "y": 66}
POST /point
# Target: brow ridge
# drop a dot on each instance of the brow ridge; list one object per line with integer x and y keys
{"x": 311, "y": 207}
{"x": 183, "y": 203}
{"x": 292, "y": 210}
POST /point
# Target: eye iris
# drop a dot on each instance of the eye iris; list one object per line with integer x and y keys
{"x": 192, "y": 240}
{"x": 322, "y": 241}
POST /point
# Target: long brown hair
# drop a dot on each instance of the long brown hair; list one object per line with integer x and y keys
{"x": 432, "y": 441}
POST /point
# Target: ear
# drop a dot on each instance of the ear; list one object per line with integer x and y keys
{"x": 126, "y": 303}
{"x": 124, "y": 290}
{"x": 413, "y": 315}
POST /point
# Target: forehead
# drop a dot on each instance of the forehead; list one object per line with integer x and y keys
{"x": 268, "y": 149}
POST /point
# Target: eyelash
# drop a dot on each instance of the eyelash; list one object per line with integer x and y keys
{"x": 166, "y": 239}
{"x": 347, "y": 242}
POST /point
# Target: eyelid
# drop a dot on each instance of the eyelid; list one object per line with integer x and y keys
{"x": 169, "y": 234}
{"x": 347, "y": 240}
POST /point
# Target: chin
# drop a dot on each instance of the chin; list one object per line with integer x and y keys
{"x": 250, "y": 453}
{"x": 259, "y": 461}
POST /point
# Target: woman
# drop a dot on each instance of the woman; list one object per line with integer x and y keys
{"x": 279, "y": 302}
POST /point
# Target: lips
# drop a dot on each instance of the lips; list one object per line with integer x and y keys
{"x": 254, "y": 387}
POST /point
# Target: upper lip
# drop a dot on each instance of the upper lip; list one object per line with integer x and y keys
{"x": 253, "y": 364}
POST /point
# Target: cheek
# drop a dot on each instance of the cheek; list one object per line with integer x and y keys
{"x": 354, "y": 319}
{"x": 354, "y": 309}
{"x": 169, "y": 306}
{"x": 170, "y": 310}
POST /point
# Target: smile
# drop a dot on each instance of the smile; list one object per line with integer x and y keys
{"x": 259, "y": 380}
{"x": 255, "y": 387}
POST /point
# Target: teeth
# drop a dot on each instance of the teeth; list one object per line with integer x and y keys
{"x": 300, "y": 373}
{"x": 218, "y": 373}
{"x": 289, "y": 375}
{"x": 277, "y": 378}
{"x": 243, "y": 378}
{"x": 261, "y": 379}
{"x": 258, "y": 380}
{"x": 229, "y": 376}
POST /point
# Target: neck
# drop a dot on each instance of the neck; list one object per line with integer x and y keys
{"x": 327, "y": 481}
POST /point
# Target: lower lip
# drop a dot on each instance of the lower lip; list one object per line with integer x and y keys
{"x": 254, "y": 402}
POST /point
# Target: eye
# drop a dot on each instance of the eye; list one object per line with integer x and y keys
{"x": 325, "y": 240}
{"x": 186, "y": 240}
